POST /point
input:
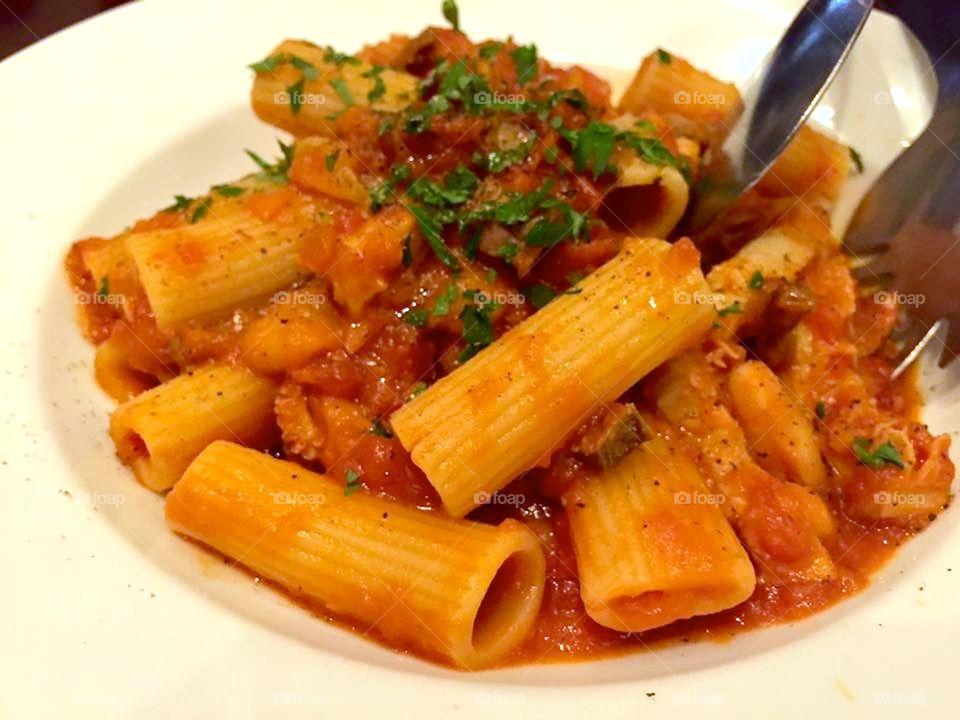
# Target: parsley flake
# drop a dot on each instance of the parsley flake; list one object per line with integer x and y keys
{"x": 338, "y": 58}
{"x": 451, "y": 13}
{"x": 385, "y": 192}
{"x": 380, "y": 430}
{"x": 416, "y": 317}
{"x": 295, "y": 93}
{"x": 487, "y": 52}
{"x": 756, "y": 281}
{"x": 883, "y": 454}
{"x": 478, "y": 329}
{"x": 181, "y": 203}
{"x": 733, "y": 309}
{"x": 352, "y": 484}
{"x": 379, "y": 88}
{"x": 431, "y": 230}
{"x": 343, "y": 91}
{"x": 525, "y": 59}
{"x": 201, "y": 209}
{"x": 277, "y": 172}
{"x": 444, "y": 301}
{"x": 228, "y": 190}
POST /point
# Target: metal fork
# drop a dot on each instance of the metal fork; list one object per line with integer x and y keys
{"x": 777, "y": 101}
{"x": 905, "y": 234}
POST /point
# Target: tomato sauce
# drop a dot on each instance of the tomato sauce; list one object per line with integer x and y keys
{"x": 381, "y": 358}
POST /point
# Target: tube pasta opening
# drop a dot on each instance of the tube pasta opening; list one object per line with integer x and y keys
{"x": 462, "y": 591}
{"x": 652, "y": 544}
{"x": 510, "y": 604}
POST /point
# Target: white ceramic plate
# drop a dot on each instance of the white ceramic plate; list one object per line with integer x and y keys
{"x": 109, "y": 615}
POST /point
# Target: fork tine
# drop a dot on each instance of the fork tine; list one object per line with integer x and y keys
{"x": 872, "y": 269}
{"x": 911, "y": 341}
{"x": 951, "y": 346}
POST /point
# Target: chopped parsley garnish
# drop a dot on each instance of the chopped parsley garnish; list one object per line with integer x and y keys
{"x": 431, "y": 230}
{"x": 821, "y": 410}
{"x": 441, "y": 307}
{"x": 455, "y": 82}
{"x": 478, "y": 329}
{"x": 653, "y": 151}
{"x": 417, "y": 317}
{"x": 201, "y": 209}
{"x": 386, "y": 126}
{"x": 294, "y": 93}
{"x": 451, "y": 13}
{"x": 664, "y": 57}
{"x": 756, "y": 281}
{"x": 547, "y": 233}
{"x": 488, "y": 51}
{"x": 407, "y": 258}
{"x": 458, "y": 187}
{"x": 338, "y": 58}
{"x": 181, "y": 203}
{"x": 508, "y": 251}
{"x": 228, "y": 190}
{"x": 733, "y": 309}
{"x": 883, "y": 454}
{"x": 574, "y": 98}
{"x": 104, "y": 289}
{"x": 592, "y": 147}
{"x": 343, "y": 91}
{"x": 379, "y": 88}
{"x": 857, "y": 159}
{"x": 353, "y": 482}
{"x": 525, "y": 59}
{"x": 385, "y": 192}
{"x": 420, "y": 121}
{"x": 268, "y": 64}
{"x": 277, "y": 172}
{"x": 380, "y": 430}
{"x": 551, "y": 154}
{"x": 271, "y": 63}
{"x": 521, "y": 206}
{"x": 499, "y": 160}
{"x": 539, "y": 295}
{"x": 331, "y": 160}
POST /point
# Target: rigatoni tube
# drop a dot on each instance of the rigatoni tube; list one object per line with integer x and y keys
{"x": 242, "y": 250}
{"x": 159, "y": 432}
{"x": 462, "y": 591}
{"x": 507, "y": 409}
{"x": 299, "y": 87}
{"x": 652, "y": 545}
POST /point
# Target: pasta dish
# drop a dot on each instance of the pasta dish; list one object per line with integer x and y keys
{"x": 448, "y": 370}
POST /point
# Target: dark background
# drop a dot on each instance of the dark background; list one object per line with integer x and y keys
{"x": 23, "y": 22}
